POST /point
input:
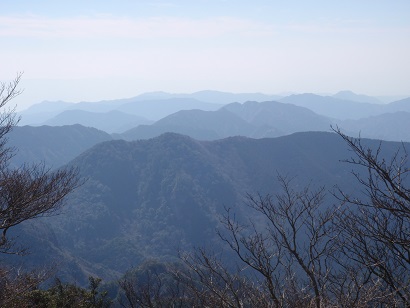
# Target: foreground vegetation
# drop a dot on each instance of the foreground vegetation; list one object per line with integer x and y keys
{"x": 298, "y": 250}
{"x": 301, "y": 253}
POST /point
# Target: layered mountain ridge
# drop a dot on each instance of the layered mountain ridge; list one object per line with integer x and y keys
{"x": 150, "y": 198}
{"x": 200, "y": 115}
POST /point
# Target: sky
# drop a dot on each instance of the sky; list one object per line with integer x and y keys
{"x": 91, "y": 50}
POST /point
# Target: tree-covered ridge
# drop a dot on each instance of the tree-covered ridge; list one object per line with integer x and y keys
{"x": 150, "y": 198}
{"x": 233, "y": 222}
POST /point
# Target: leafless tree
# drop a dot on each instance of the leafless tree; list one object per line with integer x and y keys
{"x": 210, "y": 283}
{"x": 291, "y": 253}
{"x": 308, "y": 252}
{"x": 16, "y": 285}
{"x": 312, "y": 254}
{"x": 286, "y": 263}
{"x": 26, "y": 192}
{"x": 376, "y": 227}
{"x": 29, "y": 192}
{"x": 153, "y": 284}
{"x": 8, "y": 119}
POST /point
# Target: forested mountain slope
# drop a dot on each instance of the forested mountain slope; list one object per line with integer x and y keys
{"x": 150, "y": 198}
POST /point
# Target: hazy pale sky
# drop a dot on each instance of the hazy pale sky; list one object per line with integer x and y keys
{"x": 94, "y": 49}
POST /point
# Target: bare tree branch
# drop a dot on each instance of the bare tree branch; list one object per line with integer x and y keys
{"x": 26, "y": 192}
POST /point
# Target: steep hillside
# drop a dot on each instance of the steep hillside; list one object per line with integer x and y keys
{"x": 150, "y": 198}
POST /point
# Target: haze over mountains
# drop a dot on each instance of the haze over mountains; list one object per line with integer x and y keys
{"x": 53, "y": 146}
{"x": 161, "y": 168}
{"x": 210, "y": 115}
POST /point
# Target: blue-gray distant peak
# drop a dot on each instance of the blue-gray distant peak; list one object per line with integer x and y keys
{"x": 361, "y": 98}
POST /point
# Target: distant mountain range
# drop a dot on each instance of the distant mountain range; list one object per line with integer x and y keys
{"x": 152, "y": 108}
{"x": 342, "y": 109}
{"x": 113, "y": 121}
{"x": 203, "y": 115}
{"x": 273, "y": 119}
{"x": 388, "y": 126}
{"x": 332, "y": 107}
{"x": 53, "y": 146}
{"x": 215, "y": 97}
{"x": 284, "y": 117}
{"x": 351, "y": 96}
{"x": 162, "y": 168}
{"x": 250, "y": 119}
